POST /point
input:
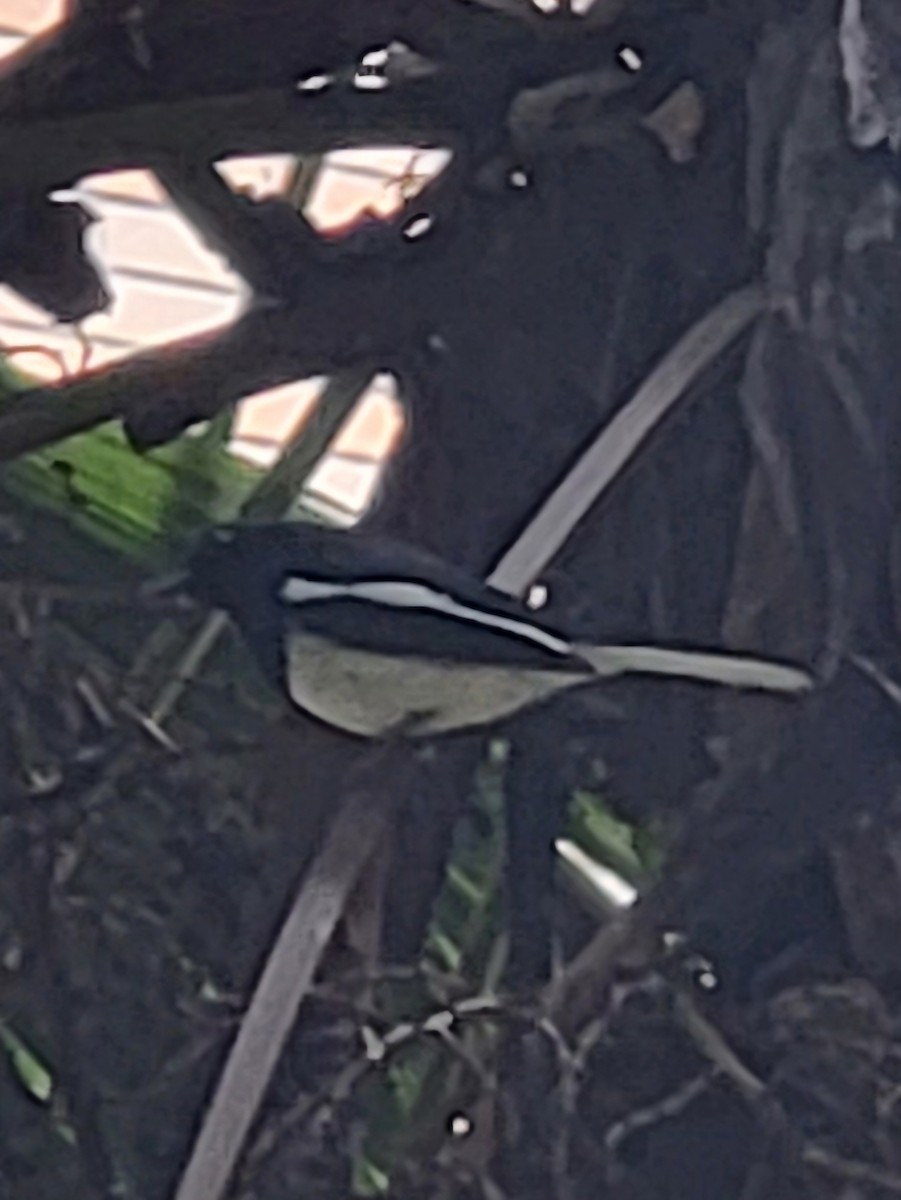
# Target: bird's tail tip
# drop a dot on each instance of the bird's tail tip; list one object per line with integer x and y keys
{"x": 727, "y": 670}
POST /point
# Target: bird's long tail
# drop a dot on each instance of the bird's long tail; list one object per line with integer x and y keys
{"x": 737, "y": 671}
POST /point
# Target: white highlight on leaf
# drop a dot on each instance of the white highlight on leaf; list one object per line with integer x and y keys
{"x": 315, "y": 83}
{"x": 418, "y": 227}
{"x": 611, "y": 888}
{"x": 631, "y": 58}
{"x": 460, "y": 1125}
{"x": 376, "y": 58}
{"x": 537, "y": 597}
{"x": 707, "y": 980}
{"x": 370, "y": 83}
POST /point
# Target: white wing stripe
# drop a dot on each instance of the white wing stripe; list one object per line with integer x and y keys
{"x": 604, "y": 660}
{"x": 403, "y": 594}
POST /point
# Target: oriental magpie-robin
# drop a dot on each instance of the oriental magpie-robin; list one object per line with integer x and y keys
{"x": 379, "y": 638}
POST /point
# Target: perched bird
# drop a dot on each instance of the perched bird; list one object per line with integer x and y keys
{"x": 379, "y": 638}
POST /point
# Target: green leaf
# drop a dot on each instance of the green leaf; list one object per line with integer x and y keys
{"x": 611, "y": 842}
{"x": 368, "y": 1180}
{"x": 31, "y": 1073}
{"x": 128, "y": 500}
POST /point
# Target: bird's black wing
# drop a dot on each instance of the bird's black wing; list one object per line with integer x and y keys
{"x": 465, "y": 634}
{"x": 385, "y": 558}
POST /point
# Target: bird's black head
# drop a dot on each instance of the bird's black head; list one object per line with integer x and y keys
{"x": 241, "y": 569}
{"x": 235, "y": 566}
{"x": 239, "y": 566}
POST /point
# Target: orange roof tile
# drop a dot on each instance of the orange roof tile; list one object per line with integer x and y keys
{"x": 373, "y": 428}
{"x": 349, "y": 485}
{"x": 56, "y": 353}
{"x": 141, "y": 186}
{"x": 150, "y": 313}
{"x": 158, "y": 241}
{"x": 259, "y": 175}
{"x": 277, "y": 414}
{"x": 31, "y": 16}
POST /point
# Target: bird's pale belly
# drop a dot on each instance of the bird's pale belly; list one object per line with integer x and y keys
{"x": 373, "y": 695}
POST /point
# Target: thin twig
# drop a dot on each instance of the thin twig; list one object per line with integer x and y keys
{"x": 303, "y": 180}
{"x": 714, "y": 1047}
{"x": 378, "y": 1049}
{"x": 190, "y": 663}
{"x": 619, "y": 441}
{"x": 571, "y": 1065}
{"x": 55, "y": 356}
{"x": 850, "y": 1169}
{"x": 671, "y": 1105}
{"x": 149, "y": 726}
{"x": 573, "y": 995}
{"x": 364, "y": 819}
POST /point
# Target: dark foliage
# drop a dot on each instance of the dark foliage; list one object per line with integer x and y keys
{"x": 753, "y": 1051}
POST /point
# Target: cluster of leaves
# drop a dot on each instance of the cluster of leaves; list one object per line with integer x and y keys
{"x": 133, "y": 884}
{"x": 132, "y": 502}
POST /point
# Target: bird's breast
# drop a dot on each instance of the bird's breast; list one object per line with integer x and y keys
{"x": 371, "y": 694}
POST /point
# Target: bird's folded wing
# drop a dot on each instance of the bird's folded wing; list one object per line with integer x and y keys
{"x": 729, "y": 670}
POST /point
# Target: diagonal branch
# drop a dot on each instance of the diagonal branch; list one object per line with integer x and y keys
{"x": 338, "y": 319}
{"x": 365, "y": 818}
{"x": 620, "y": 440}
{"x": 155, "y": 391}
{"x": 261, "y": 240}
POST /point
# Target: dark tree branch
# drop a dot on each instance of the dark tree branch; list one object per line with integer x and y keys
{"x": 181, "y": 90}
{"x": 205, "y": 83}
{"x": 53, "y": 151}
{"x": 263, "y": 242}
{"x": 199, "y": 375}
{"x": 338, "y": 319}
